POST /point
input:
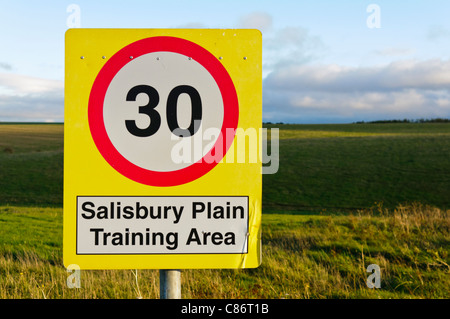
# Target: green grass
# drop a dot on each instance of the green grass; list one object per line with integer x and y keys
{"x": 303, "y": 257}
{"x": 345, "y": 196}
{"x": 31, "y": 164}
{"x": 333, "y": 167}
{"x": 347, "y": 167}
{"x": 330, "y": 254}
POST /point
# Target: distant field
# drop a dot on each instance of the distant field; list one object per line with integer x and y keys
{"x": 337, "y": 167}
{"x": 353, "y": 166}
{"x": 31, "y": 164}
{"x": 345, "y": 196}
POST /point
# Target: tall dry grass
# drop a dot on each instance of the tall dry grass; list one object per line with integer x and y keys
{"x": 303, "y": 257}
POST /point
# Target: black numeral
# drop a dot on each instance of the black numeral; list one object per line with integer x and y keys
{"x": 149, "y": 109}
{"x": 171, "y": 110}
{"x": 196, "y": 110}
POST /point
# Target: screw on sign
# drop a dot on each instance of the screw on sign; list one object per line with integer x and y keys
{"x": 153, "y": 88}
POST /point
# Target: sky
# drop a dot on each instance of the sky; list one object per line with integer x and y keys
{"x": 323, "y": 61}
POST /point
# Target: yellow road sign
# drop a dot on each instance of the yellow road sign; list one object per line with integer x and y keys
{"x": 162, "y": 159}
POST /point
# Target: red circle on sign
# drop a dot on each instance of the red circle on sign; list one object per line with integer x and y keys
{"x": 109, "y": 71}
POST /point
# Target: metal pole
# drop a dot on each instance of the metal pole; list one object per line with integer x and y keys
{"x": 170, "y": 284}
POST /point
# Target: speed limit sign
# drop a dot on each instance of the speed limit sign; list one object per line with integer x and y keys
{"x": 152, "y": 176}
{"x": 185, "y": 90}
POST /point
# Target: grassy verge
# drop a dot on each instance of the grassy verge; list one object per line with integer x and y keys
{"x": 321, "y": 256}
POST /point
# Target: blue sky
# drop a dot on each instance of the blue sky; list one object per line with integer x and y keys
{"x": 322, "y": 62}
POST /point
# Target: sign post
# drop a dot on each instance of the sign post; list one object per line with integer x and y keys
{"x": 162, "y": 159}
{"x": 170, "y": 284}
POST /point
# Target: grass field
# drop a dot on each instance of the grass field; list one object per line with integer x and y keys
{"x": 345, "y": 197}
{"x": 31, "y": 164}
{"x": 348, "y": 167}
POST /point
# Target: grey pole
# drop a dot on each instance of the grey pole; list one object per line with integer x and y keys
{"x": 170, "y": 284}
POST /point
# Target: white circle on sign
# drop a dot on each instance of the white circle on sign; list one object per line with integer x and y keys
{"x": 163, "y": 71}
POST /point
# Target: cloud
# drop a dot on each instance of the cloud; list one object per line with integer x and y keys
{"x": 430, "y": 74}
{"x": 256, "y": 20}
{"x": 394, "y": 52}
{"x": 5, "y": 66}
{"x": 350, "y": 107}
{"x": 285, "y": 46}
{"x": 25, "y": 98}
{"x": 438, "y": 32}
{"x": 23, "y": 85}
{"x": 290, "y": 46}
{"x": 298, "y": 89}
{"x": 333, "y": 93}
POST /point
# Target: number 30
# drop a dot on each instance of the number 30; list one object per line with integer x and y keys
{"x": 171, "y": 110}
